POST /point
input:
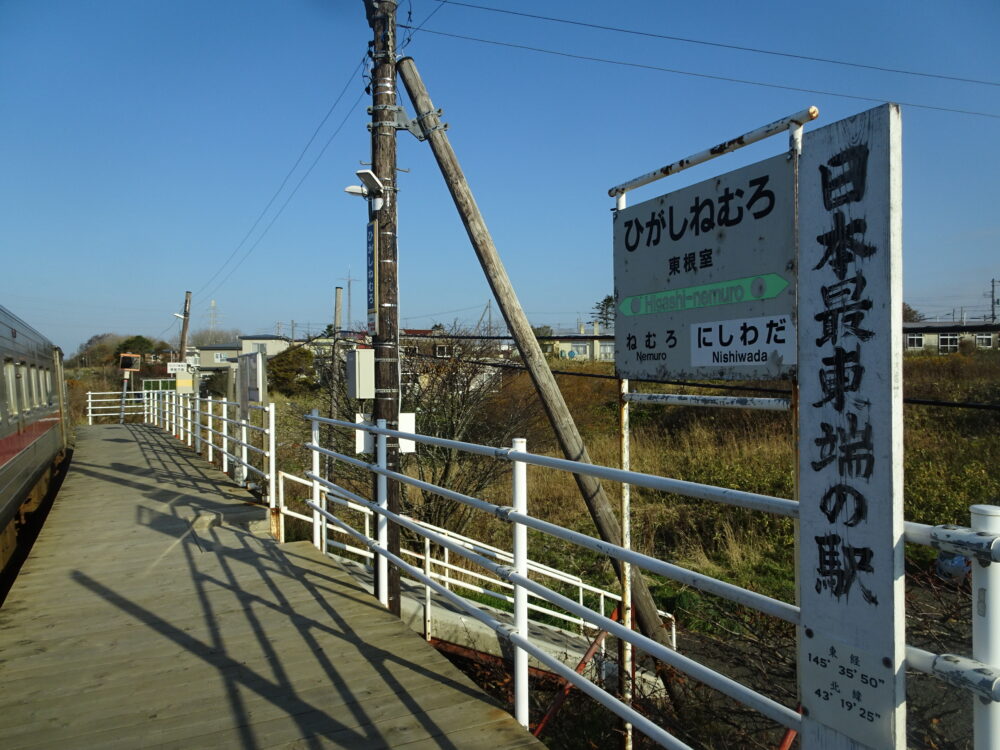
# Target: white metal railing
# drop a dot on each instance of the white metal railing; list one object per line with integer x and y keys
{"x": 243, "y": 445}
{"x": 981, "y": 543}
{"x": 246, "y": 445}
{"x": 457, "y": 577}
{"x": 111, "y": 404}
{"x": 517, "y": 574}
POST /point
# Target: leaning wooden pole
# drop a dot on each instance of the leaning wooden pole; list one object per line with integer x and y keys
{"x": 545, "y": 383}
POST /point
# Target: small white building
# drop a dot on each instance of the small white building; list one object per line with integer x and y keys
{"x": 591, "y": 347}
{"x": 269, "y": 344}
{"x": 944, "y": 337}
{"x": 215, "y": 357}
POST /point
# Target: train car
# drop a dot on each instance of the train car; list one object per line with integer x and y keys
{"x": 33, "y": 423}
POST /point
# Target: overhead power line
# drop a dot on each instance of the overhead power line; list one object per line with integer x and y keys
{"x": 414, "y": 30}
{"x": 721, "y": 45}
{"x": 284, "y": 182}
{"x": 728, "y": 79}
{"x": 291, "y": 195}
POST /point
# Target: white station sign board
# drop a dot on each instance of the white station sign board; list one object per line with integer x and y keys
{"x": 705, "y": 279}
{"x": 175, "y": 367}
{"x": 850, "y": 476}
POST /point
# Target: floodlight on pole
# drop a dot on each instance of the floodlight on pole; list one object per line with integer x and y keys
{"x": 371, "y": 181}
{"x": 373, "y": 188}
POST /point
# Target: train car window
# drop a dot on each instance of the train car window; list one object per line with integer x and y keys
{"x": 10, "y": 380}
{"x": 27, "y": 397}
{"x": 23, "y": 397}
{"x": 5, "y": 407}
{"x": 10, "y": 383}
{"x": 48, "y": 386}
{"x": 32, "y": 386}
{"x": 24, "y": 380}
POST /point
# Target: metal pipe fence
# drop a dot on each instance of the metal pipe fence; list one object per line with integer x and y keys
{"x": 451, "y": 575}
{"x": 446, "y": 563}
{"x": 243, "y": 445}
{"x": 111, "y": 404}
{"x": 978, "y": 675}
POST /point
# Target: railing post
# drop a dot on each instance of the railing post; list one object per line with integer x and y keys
{"x": 382, "y": 523}
{"x": 244, "y": 474}
{"x": 272, "y": 470}
{"x": 520, "y": 503}
{"x": 985, "y": 620}
{"x": 318, "y": 526}
{"x": 225, "y": 436}
{"x": 197, "y": 431}
{"x": 90, "y": 406}
{"x": 211, "y": 426}
{"x": 627, "y": 668}
{"x": 281, "y": 511}
{"x": 427, "y": 589}
{"x": 189, "y": 417}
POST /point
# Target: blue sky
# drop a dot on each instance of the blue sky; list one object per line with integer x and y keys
{"x": 141, "y": 139}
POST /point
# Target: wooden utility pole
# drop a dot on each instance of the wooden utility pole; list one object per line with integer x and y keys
{"x": 545, "y": 383}
{"x": 184, "y": 325}
{"x": 333, "y": 377}
{"x": 382, "y": 19}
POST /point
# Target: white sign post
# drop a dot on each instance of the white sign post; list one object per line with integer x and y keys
{"x": 252, "y": 372}
{"x": 705, "y": 278}
{"x": 851, "y": 639}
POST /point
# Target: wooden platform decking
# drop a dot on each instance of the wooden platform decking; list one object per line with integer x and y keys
{"x": 151, "y": 613}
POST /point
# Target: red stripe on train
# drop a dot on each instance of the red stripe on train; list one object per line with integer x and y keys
{"x": 12, "y": 445}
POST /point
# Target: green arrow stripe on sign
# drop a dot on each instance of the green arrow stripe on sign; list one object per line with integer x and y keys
{"x": 750, "y": 289}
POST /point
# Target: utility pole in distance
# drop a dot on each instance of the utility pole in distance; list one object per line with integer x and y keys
{"x": 184, "y": 325}
{"x": 993, "y": 300}
{"x": 382, "y": 19}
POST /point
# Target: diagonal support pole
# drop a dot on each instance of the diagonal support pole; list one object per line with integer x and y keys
{"x": 551, "y": 397}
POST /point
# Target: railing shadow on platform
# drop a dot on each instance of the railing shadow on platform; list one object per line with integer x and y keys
{"x": 224, "y": 547}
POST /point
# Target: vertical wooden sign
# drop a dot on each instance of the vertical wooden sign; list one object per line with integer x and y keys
{"x": 851, "y": 641}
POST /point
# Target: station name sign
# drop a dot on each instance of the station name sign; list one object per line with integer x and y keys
{"x": 705, "y": 278}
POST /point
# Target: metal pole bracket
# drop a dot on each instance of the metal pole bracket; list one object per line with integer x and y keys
{"x": 402, "y": 122}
